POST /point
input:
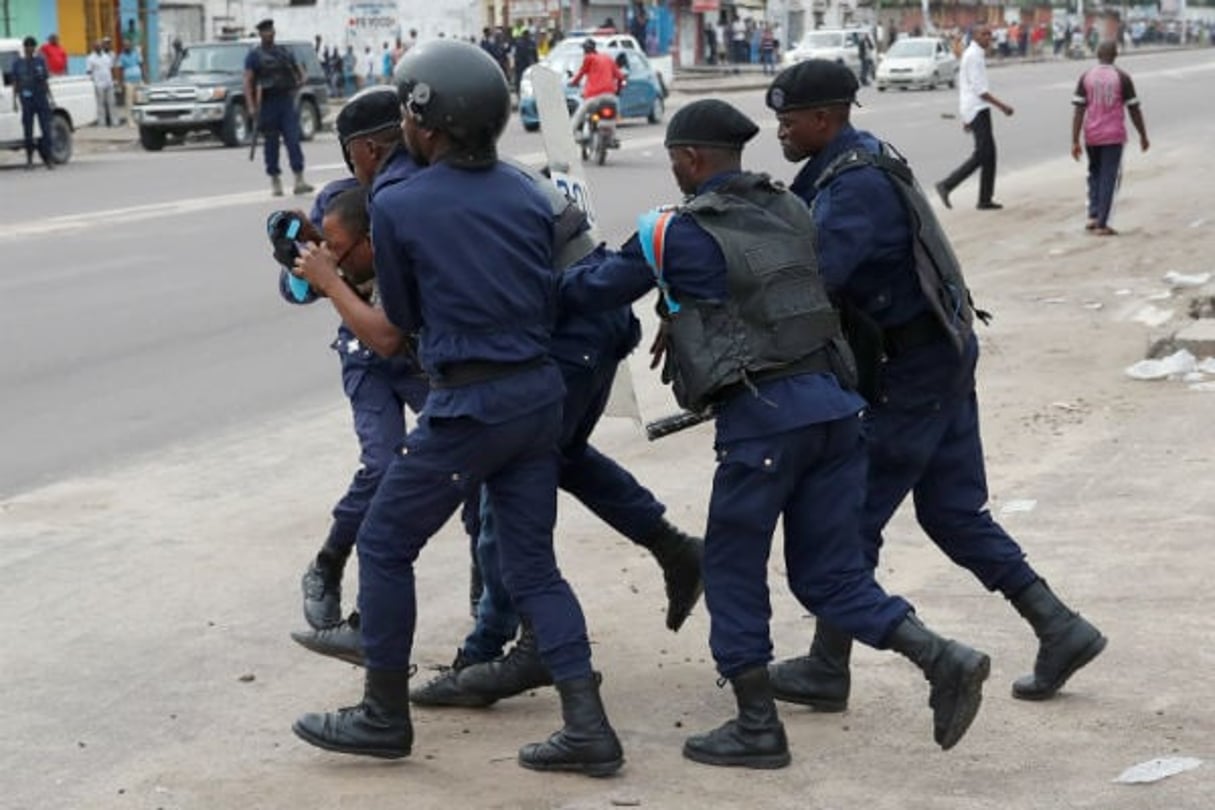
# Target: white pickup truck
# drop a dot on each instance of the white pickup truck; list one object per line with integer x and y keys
{"x": 73, "y": 104}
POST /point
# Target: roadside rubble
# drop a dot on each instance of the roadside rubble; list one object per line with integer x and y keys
{"x": 1176, "y": 356}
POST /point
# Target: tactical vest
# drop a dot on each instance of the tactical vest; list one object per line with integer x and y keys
{"x": 776, "y": 321}
{"x": 936, "y": 266}
{"x": 275, "y": 70}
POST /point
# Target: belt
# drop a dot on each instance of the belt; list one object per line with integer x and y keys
{"x": 458, "y": 375}
{"x": 817, "y": 363}
{"x": 922, "y": 330}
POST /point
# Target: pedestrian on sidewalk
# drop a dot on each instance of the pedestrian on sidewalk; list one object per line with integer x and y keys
{"x": 100, "y": 67}
{"x": 888, "y": 266}
{"x": 272, "y": 75}
{"x": 31, "y": 84}
{"x": 975, "y": 101}
{"x": 55, "y": 56}
{"x": 132, "y": 76}
{"x": 1104, "y": 95}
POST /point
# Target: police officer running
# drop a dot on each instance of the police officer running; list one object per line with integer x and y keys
{"x": 887, "y": 263}
{"x": 31, "y": 84}
{"x": 463, "y": 255}
{"x": 272, "y": 75}
{"x": 750, "y": 333}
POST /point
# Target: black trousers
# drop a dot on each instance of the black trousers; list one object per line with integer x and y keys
{"x": 983, "y": 159}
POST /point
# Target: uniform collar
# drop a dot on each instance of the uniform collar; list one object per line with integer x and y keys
{"x": 803, "y": 183}
{"x": 716, "y": 181}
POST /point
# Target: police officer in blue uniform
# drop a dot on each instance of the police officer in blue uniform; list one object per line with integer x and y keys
{"x": 379, "y": 375}
{"x": 272, "y": 75}
{"x": 463, "y": 255}
{"x": 749, "y": 332}
{"x": 887, "y": 263}
{"x": 31, "y": 85}
{"x": 587, "y": 349}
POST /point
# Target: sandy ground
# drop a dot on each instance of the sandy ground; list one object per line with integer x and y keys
{"x": 146, "y": 662}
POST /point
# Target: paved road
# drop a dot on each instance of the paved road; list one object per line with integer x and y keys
{"x": 138, "y": 304}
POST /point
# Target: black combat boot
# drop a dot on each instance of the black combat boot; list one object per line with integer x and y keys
{"x": 516, "y": 672}
{"x": 954, "y": 671}
{"x": 680, "y": 557}
{"x": 754, "y": 739}
{"x": 820, "y": 680}
{"x": 322, "y": 587}
{"x": 444, "y": 690}
{"x": 377, "y": 727}
{"x": 1066, "y": 642}
{"x": 586, "y": 744}
{"x": 342, "y": 641}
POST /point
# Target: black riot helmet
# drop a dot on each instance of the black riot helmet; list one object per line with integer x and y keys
{"x": 456, "y": 88}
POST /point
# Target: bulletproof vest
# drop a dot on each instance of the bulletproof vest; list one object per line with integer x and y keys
{"x": 776, "y": 321}
{"x": 936, "y": 266}
{"x": 275, "y": 70}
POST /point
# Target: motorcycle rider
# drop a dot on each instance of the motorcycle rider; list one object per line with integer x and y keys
{"x": 603, "y": 80}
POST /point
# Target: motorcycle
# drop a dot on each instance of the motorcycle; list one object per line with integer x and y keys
{"x": 599, "y": 130}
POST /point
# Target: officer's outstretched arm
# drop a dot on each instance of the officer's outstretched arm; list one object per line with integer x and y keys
{"x": 598, "y": 283}
{"x": 318, "y": 266}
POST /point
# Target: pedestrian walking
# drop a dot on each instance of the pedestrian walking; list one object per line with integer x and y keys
{"x": 272, "y": 76}
{"x": 748, "y": 331}
{"x": 31, "y": 88}
{"x": 1104, "y": 96}
{"x": 887, "y": 263}
{"x": 975, "y": 101}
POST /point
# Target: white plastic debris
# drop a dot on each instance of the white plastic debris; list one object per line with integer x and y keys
{"x": 1093, "y": 305}
{"x": 1203, "y": 386}
{"x": 1153, "y": 316}
{"x": 1177, "y": 364}
{"x": 1198, "y": 223}
{"x": 1156, "y": 769}
{"x": 1161, "y": 295}
{"x": 1183, "y": 280}
{"x": 1207, "y": 366}
{"x": 1012, "y": 507}
{"x": 1193, "y": 377}
{"x": 1122, "y": 291}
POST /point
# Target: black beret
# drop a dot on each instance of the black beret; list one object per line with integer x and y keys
{"x": 265, "y": 25}
{"x": 29, "y": 42}
{"x": 369, "y": 111}
{"x": 710, "y": 122}
{"x": 812, "y": 83}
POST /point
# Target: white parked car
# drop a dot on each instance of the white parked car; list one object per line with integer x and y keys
{"x": 836, "y": 44}
{"x": 917, "y": 62}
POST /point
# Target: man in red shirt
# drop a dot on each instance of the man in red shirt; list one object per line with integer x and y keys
{"x": 55, "y": 56}
{"x": 603, "y": 80}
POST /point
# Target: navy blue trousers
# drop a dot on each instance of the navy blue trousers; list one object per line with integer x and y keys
{"x": 36, "y": 107}
{"x": 814, "y": 478}
{"x": 378, "y": 394}
{"x": 443, "y": 461}
{"x": 1104, "y": 164}
{"x": 278, "y": 117}
{"x": 929, "y": 446}
{"x": 602, "y": 485}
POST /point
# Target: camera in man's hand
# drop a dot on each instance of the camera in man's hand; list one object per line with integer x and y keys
{"x": 287, "y": 231}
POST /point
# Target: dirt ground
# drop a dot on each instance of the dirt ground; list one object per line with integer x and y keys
{"x": 146, "y": 662}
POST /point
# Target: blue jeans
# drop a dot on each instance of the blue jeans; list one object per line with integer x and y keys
{"x": 1104, "y": 164}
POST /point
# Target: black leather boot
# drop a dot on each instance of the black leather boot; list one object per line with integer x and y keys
{"x": 342, "y": 641}
{"x": 322, "y": 587}
{"x": 955, "y": 673}
{"x": 754, "y": 739}
{"x": 1066, "y": 642}
{"x": 377, "y": 727}
{"x": 586, "y": 744}
{"x": 444, "y": 689}
{"x": 820, "y": 680}
{"x": 516, "y": 672}
{"x": 680, "y": 557}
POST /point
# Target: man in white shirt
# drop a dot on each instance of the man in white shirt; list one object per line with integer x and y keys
{"x": 975, "y": 102}
{"x": 100, "y": 67}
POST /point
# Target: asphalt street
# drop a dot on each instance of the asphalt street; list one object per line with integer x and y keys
{"x": 138, "y": 299}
